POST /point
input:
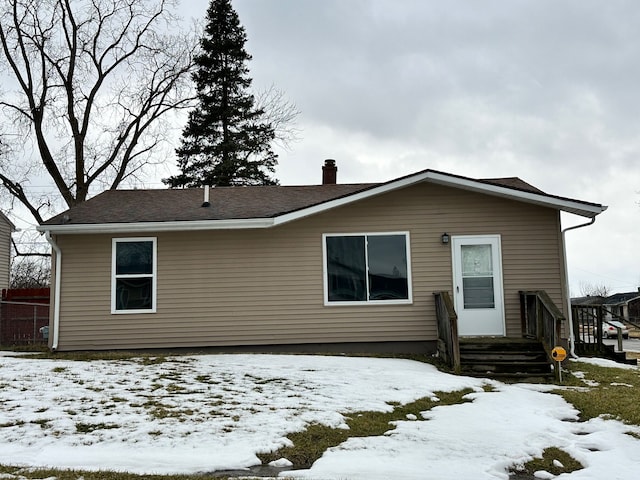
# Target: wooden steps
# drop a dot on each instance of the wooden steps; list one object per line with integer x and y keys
{"x": 620, "y": 357}
{"x": 504, "y": 357}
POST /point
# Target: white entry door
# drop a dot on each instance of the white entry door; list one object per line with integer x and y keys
{"x": 477, "y": 285}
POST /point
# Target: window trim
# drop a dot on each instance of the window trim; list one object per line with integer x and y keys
{"x": 153, "y": 275}
{"x": 325, "y": 273}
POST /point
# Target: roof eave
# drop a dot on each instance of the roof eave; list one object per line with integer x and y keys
{"x": 584, "y": 209}
{"x": 576, "y": 207}
{"x": 149, "y": 227}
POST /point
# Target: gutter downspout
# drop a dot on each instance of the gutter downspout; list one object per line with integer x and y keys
{"x": 572, "y": 350}
{"x": 56, "y": 286}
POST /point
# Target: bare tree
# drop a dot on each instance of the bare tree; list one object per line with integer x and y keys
{"x": 280, "y": 113}
{"x": 588, "y": 289}
{"x": 30, "y": 272}
{"x": 92, "y": 83}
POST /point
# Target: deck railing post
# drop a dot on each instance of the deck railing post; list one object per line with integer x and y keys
{"x": 600, "y": 346}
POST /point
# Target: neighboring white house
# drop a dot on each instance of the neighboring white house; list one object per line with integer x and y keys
{"x": 6, "y": 228}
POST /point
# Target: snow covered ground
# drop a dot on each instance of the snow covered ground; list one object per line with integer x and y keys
{"x": 212, "y": 412}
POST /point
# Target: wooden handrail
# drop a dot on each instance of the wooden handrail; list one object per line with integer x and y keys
{"x": 549, "y": 305}
{"x": 541, "y": 317}
{"x": 448, "y": 342}
{"x": 620, "y": 317}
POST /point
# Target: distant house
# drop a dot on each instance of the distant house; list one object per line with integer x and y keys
{"x": 331, "y": 267}
{"x": 619, "y": 306}
{"x": 624, "y": 305}
{"x": 6, "y": 229}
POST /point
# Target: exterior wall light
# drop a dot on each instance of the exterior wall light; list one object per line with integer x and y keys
{"x": 445, "y": 238}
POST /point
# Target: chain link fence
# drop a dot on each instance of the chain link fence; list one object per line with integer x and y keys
{"x": 23, "y": 323}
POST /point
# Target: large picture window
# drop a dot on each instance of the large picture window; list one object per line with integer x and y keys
{"x": 371, "y": 268}
{"x": 133, "y": 283}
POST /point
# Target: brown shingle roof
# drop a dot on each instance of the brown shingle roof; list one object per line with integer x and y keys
{"x": 129, "y": 206}
{"x": 120, "y": 208}
{"x": 512, "y": 182}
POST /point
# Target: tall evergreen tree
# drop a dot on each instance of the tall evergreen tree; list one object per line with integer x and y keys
{"x": 226, "y": 140}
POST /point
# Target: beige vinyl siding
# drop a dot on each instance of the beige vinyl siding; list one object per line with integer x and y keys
{"x": 265, "y": 286}
{"x": 5, "y": 252}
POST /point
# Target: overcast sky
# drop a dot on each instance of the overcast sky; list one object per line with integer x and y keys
{"x": 548, "y": 91}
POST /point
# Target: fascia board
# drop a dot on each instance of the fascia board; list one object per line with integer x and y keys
{"x": 567, "y": 205}
{"x": 371, "y": 192}
{"x": 148, "y": 227}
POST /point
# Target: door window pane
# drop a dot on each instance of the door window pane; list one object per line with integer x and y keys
{"x": 477, "y": 261}
{"x": 478, "y": 292}
{"x": 477, "y": 276}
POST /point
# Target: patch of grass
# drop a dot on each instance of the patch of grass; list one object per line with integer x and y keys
{"x": 30, "y": 348}
{"x": 310, "y": 444}
{"x": 35, "y": 473}
{"x": 43, "y": 422}
{"x": 12, "y": 424}
{"x": 206, "y": 379}
{"x": 160, "y": 410}
{"x": 175, "y": 388}
{"x": 264, "y": 381}
{"x": 146, "y": 360}
{"x": 92, "y": 427}
{"x": 553, "y": 460}
{"x": 605, "y": 391}
{"x": 59, "y": 369}
{"x": 86, "y": 355}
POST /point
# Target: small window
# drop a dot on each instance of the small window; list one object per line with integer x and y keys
{"x": 133, "y": 284}
{"x": 370, "y": 268}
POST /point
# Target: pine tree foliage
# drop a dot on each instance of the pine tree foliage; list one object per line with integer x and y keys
{"x": 227, "y": 140}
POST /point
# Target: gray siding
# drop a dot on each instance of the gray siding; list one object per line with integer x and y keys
{"x": 265, "y": 286}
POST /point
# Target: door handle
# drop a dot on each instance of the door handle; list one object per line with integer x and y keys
{"x": 457, "y": 289}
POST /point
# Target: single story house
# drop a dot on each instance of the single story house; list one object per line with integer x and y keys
{"x": 330, "y": 267}
{"x": 619, "y": 306}
{"x": 623, "y": 306}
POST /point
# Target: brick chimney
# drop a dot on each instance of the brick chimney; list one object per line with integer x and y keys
{"x": 329, "y": 172}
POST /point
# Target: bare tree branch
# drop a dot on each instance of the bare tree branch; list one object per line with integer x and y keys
{"x": 31, "y": 272}
{"x": 15, "y": 189}
{"x": 588, "y": 289}
{"x": 18, "y": 253}
{"x": 92, "y": 80}
{"x": 280, "y": 113}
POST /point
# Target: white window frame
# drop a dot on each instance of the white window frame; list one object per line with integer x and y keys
{"x": 407, "y": 301}
{"x": 153, "y": 275}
